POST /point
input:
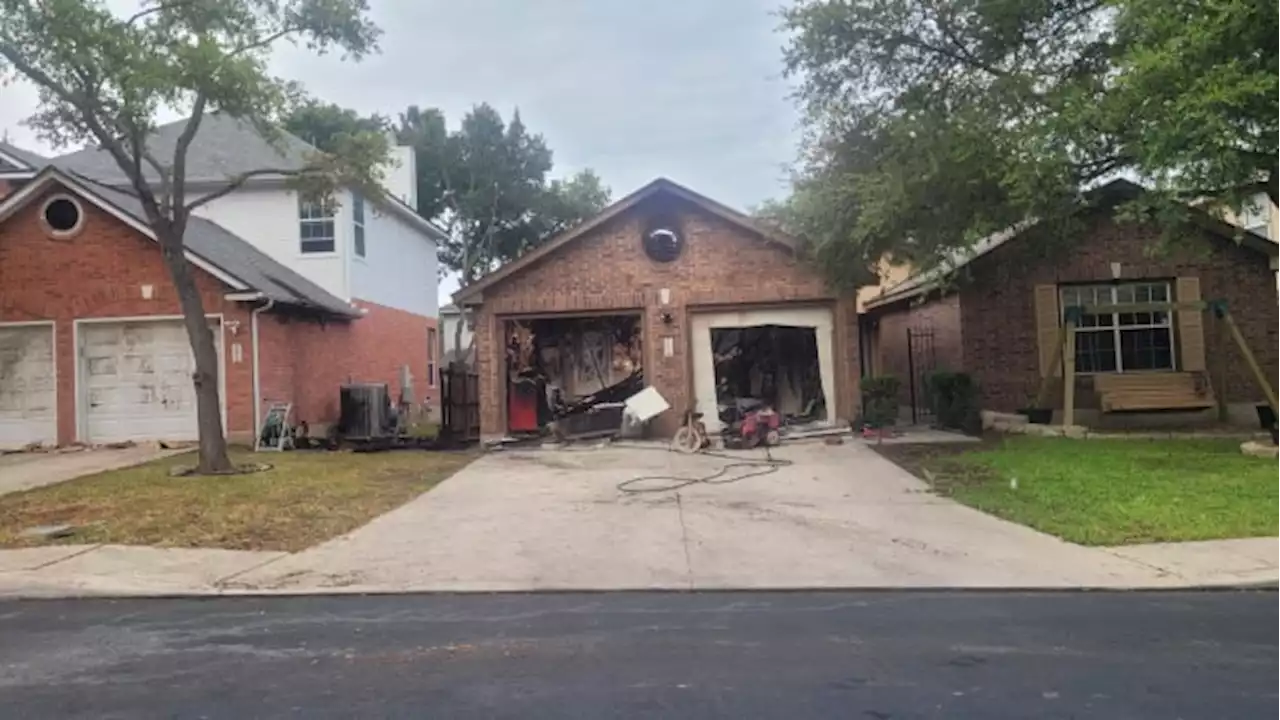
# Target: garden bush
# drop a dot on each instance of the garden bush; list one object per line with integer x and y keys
{"x": 880, "y": 400}
{"x": 953, "y": 396}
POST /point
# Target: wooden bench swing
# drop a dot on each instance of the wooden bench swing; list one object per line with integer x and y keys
{"x": 1118, "y": 392}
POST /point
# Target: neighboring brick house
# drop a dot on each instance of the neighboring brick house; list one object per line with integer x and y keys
{"x": 709, "y": 269}
{"x": 302, "y": 299}
{"x": 997, "y": 315}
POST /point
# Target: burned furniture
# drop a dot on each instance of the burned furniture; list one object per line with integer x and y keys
{"x": 768, "y": 365}
{"x": 571, "y": 376}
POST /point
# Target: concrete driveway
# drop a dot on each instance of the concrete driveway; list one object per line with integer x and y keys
{"x": 839, "y": 516}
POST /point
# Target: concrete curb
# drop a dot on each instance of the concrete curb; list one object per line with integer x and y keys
{"x": 52, "y": 593}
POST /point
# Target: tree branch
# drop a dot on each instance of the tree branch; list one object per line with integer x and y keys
{"x": 964, "y": 54}
{"x": 263, "y": 41}
{"x": 91, "y": 122}
{"x": 180, "y": 157}
{"x": 158, "y": 8}
{"x": 237, "y": 181}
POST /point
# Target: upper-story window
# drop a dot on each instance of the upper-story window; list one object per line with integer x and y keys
{"x": 1255, "y": 216}
{"x": 315, "y": 223}
{"x": 357, "y": 222}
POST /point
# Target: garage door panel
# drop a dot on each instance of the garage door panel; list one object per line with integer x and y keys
{"x": 28, "y": 390}
{"x": 137, "y": 381}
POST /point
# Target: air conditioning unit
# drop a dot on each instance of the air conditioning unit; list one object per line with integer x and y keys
{"x": 366, "y": 412}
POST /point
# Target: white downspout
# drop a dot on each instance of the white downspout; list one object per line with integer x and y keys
{"x": 257, "y": 382}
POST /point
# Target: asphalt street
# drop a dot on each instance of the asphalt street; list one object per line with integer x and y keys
{"x": 881, "y": 655}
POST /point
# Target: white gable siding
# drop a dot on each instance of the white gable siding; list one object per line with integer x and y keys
{"x": 268, "y": 218}
{"x": 449, "y": 330}
{"x": 399, "y": 269}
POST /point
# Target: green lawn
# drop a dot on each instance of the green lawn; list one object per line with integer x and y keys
{"x": 305, "y": 498}
{"x": 1109, "y": 492}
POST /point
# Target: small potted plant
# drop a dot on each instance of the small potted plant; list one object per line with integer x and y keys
{"x": 1266, "y": 415}
{"x": 1034, "y": 413}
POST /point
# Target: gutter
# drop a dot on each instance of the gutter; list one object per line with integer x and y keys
{"x": 257, "y": 380}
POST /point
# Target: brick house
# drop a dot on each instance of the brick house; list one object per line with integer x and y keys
{"x": 671, "y": 279}
{"x": 997, "y": 314}
{"x": 92, "y": 347}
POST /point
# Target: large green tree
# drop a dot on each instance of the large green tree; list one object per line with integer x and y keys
{"x": 325, "y": 125}
{"x": 933, "y": 124}
{"x": 486, "y": 182}
{"x": 103, "y": 77}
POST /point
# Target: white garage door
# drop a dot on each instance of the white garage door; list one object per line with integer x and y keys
{"x": 136, "y": 381}
{"x": 28, "y": 391}
{"x": 704, "y": 373}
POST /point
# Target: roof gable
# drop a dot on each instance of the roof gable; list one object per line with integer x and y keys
{"x": 472, "y": 293}
{"x": 1110, "y": 195}
{"x": 209, "y": 246}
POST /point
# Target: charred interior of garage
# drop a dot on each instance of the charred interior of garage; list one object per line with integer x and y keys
{"x": 768, "y": 366}
{"x": 570, "y": 376}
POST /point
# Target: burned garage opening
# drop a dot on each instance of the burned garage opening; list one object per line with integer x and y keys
{"x": 570, "y": 376}
{"x": 768, "y": 366}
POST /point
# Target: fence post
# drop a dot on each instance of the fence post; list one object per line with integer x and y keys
{"x": 911, "y": 378}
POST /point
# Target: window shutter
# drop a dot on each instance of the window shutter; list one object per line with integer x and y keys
{"x": 1047, "y": 328}
{"x": 1190, "y": 326}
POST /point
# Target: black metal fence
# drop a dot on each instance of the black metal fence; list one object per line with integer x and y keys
{"x": 922, "y": 361}
{"x": 459, "y": 405}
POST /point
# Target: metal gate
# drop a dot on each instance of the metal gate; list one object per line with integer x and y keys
{"x": 922, "y": 361}
{"x": 459, "y": 405}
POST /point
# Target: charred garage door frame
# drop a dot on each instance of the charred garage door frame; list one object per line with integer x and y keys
{"x": 820, "y": 317}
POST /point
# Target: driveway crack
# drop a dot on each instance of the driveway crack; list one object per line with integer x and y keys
{"x": 684, "y": 539}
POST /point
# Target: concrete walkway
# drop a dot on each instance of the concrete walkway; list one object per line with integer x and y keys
{"x": 837, "y": 517}
{"x": 24, "y": 471}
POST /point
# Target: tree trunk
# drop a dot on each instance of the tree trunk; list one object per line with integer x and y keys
{"x": 213, "y": 443}
{"x": 459, "y": 355}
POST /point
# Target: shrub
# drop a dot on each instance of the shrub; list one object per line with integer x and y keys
{"x": 954, "y": 399}
{"x": 880, "y": 400}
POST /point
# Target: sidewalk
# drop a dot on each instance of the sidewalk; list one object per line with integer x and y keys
{"x": 115, "y": 570}
{"x": 25, "y": 471}
{"x": 96, "y": 570}
{"x": 1210, "y": 562}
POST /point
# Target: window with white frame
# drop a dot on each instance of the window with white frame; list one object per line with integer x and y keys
{"x": 357, "y": 223}
{"x": 1121, "y": 342}
{"x": 1255, "y": 216}
{"x": 315, "y": 224}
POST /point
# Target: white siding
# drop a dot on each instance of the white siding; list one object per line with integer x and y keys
{"x": 268, "y": 218}
{"x": 449, "y": 326}
{"x": 399, "y": 269}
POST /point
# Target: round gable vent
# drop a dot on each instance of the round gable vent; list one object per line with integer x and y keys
{"x": 62, "y": 216}
{"x": 662, "y": 240}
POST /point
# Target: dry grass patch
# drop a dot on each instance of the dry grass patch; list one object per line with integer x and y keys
{"x": 305, "y": 498}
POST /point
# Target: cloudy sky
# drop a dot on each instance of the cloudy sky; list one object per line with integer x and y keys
{"x": 687, "y": 89}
